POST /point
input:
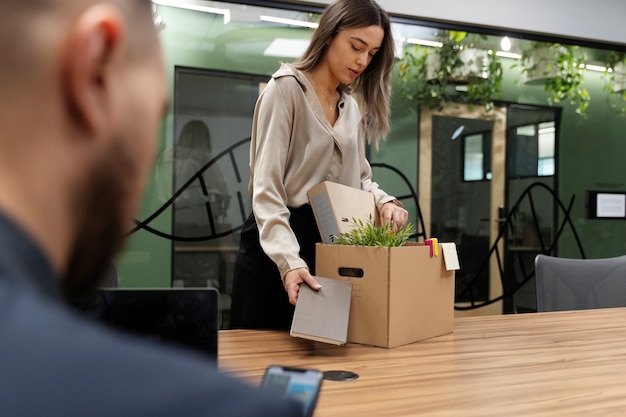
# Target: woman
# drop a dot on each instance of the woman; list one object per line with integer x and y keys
{"x": 308, "y": 129}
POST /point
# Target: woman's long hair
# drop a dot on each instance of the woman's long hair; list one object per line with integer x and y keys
{"x": 372, "y": 86}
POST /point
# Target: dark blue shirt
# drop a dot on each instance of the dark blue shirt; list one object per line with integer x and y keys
{"x": 55, "y": 363}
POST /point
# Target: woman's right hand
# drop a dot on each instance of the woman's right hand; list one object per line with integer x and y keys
{"x": 294, "y": 278}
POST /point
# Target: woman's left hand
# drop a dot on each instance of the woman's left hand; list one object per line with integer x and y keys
{"x": 393, "y": 215}
{"x": 296, "y": 277}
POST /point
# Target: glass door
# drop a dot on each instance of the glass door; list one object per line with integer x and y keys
{"x": 461, "y": 187}
{"x": 487, "y": 183}
{"x": 531, "y": 200}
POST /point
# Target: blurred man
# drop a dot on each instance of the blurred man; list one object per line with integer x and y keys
{"x": 83, "y": 90}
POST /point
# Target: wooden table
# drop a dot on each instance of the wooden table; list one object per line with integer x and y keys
{"x": 536, "y": 364}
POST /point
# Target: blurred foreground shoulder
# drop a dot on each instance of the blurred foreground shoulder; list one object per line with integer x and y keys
{"x": 69, "y": 366}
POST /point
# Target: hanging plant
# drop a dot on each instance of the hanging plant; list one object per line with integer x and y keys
{"x": 561, "y": 68}
{"x": 615, "y": 82}
{"x": 456, "y": 71}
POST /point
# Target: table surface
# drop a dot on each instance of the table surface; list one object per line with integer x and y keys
{"x": 536, "y": 364}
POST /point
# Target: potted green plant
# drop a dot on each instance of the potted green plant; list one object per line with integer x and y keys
{"x": 366, "y": 233}
{"x": 456, "y": 71}
{"x": 561, "y": 69}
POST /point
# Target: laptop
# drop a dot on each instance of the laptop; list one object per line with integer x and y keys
{"x": 336, "y": 206}
{"x": 186, "y": 317}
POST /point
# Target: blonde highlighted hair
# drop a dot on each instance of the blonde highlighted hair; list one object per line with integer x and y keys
{"x": 372, "y": 86}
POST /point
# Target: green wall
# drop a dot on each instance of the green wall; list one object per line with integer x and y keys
{"x": 146, "y": 258}
{"x": 591, "y": 157}
{"x": 591, "y": 151}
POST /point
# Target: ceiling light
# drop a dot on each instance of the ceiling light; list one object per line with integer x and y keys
{"x": 511, "y": 55}
{"x": 424, "y": 42}
{"x": 595, "y": 68}
{"x": 196, "y": 7}
{"x": 289, "y": 22}
{"x": 287, "y": 48}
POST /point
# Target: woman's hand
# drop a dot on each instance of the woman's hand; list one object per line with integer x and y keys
{"x": 393, "y": 215}
{"x": 294, "y": 278}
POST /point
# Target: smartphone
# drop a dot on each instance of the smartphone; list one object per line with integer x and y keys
{"x": 300, "y": 384}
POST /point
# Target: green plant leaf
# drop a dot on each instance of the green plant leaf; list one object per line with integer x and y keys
{"x": 368, "y": 234}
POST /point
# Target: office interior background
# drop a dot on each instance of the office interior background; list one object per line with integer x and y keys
{"x": 504, "y": 184}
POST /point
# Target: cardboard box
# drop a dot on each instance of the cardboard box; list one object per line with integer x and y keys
{"x": 400, "y": 295}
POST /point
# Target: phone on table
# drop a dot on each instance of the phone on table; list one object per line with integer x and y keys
{"x": 300, "y": 384}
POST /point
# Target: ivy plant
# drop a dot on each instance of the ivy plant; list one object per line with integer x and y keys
{"x": 441, "y": 88}
{"x": 615, "y": 97}
{"x": 563, "y": 73}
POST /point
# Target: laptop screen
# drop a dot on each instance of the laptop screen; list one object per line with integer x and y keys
{"x": 187, "y": 317}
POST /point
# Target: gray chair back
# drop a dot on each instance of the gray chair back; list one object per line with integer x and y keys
{"x": 578, "y": 284}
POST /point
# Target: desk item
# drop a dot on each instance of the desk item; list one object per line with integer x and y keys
{"x": 576, "y": 284}
{"x": 567, "y": 363}
{"x": 433, "y": 243}
{"x": 187, "y": 317}
{"x": 323, "y": 315}
{"x": 450, "y": 256}
{"x": 300, "y": 384}
{"x": 337, "y": 205}
{"x": 336, "y": 375}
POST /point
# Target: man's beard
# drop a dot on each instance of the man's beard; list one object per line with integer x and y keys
{"x": 101, "y": 226}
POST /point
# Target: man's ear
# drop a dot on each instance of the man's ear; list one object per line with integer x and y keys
{"x": 94, "y": 48}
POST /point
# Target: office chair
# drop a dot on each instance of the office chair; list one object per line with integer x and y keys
{"x": 578, "y": 284}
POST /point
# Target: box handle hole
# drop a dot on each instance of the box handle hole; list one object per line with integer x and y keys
{"x": 351, "y": 272}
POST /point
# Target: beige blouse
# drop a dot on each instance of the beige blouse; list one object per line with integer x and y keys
{"x": 294, "y": 147}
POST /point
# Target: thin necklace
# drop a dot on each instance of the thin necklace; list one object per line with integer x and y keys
{"x": 331, "y": 102}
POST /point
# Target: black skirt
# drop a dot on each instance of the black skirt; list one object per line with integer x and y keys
{"x": 259, "y": 299}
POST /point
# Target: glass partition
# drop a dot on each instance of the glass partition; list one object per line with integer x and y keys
{"x": 217, "y": 55}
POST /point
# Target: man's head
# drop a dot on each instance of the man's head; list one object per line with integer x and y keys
{"x": 84, "y": 90}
